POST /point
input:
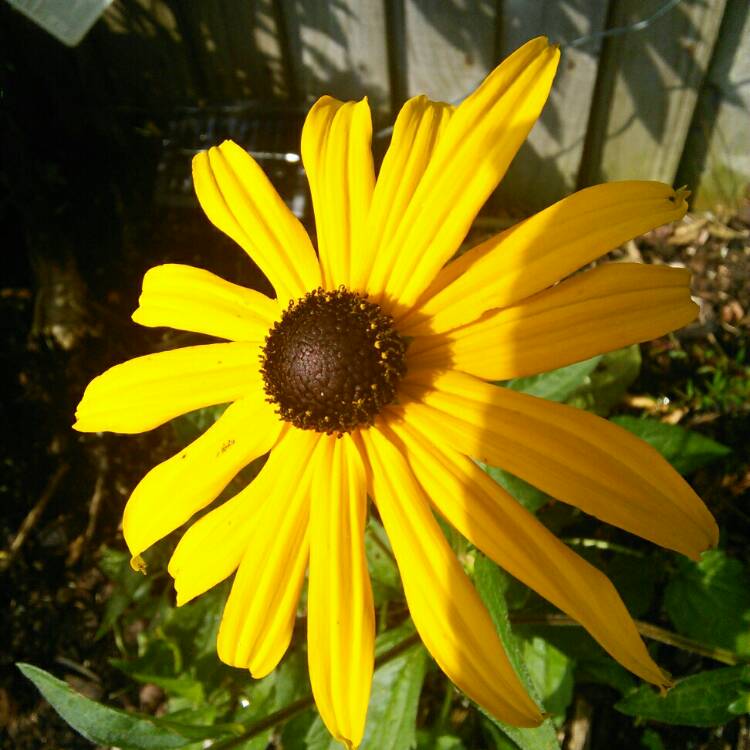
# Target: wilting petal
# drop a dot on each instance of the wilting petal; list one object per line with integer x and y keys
{"x": 175, "y": 489}
{"x": 598, "y": 311}
{"x": 471, "y": 157}
{"x": 569, "y": 453}
{"x": 192, "y": 299}
{"x": 449, "y": 615}
{"x": 340, "y": 615}
{"x": 211, "y": 549}
{"x": 241, "y": 201}
{"x": 147, "y": 391}
{"x": 419, "y": 126}
{"x": 336, "y": 152}
{"x": 543, "y": 249}
{"x": 259, "y": 615}
{"x": 506, "y": 532}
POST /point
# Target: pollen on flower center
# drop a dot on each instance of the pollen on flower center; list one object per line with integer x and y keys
{"x": 332, "y": 362}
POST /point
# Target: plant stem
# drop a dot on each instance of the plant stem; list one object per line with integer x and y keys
{"x": 655, "y": 633}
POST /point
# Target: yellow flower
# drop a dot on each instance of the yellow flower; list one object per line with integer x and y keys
{"x": 367, "y": 375}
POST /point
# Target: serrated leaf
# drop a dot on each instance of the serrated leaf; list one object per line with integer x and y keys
{"x": 552, "y": 673}
{"x": 556, "y": 385}
{"x": 110, "y": 726}
{"x": 702, "y": 700}
{"x": 606, "y": 385}
{"x": 392, "y": 712}
{"x": 686, "y": 450}
{"x": 710, "y": 601}
{"x": 488, "y": 579}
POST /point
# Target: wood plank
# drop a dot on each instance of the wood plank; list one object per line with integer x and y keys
{"x": 144, "y": 55}
{"x": 450, "y": 47}
{"x": 237, "y": 48}
{"x": 339, "y": 49}
{"x": 547, "y": 166}
{"x": 717, "y": 154}
{"x": 650, "y": 84}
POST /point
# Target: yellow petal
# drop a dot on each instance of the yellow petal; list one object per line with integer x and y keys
{"x": 241, "y": 201}
{"x": 259, "y": 615}
{"x": 571, "y": 454}
{"x": 340, "y": 614}
{"x": 507, "y": 533}
{"x": 336, "y": 153}
{"x": 147, "y": 391}
{"x": 447, "y": 611}
{"x": 540, "y": 251}
{"x": 211, "y": 549}
{"x": 419, "y": 126}
{"x": 471, "y": 157}
{"x": 175, "y": 489}
{"x": 595, "y": 312}
{"x": 192, "y": 299}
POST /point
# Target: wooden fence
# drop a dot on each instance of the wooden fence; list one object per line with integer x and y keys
{"x": 669, "y": 99}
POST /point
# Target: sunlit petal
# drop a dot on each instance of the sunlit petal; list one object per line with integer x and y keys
{"x": 338, "y": 161}
{"x": 569, "y": 453}
{"x": 340, "y": 615}
{"x": 192, "y": 299}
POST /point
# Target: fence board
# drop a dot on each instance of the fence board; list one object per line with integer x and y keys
{"x": 339, "y": 49}
{"x": 717, "y": 154}
{"x": 547, "y": 165}
{"x": 237, "y": 48}
{"x": 450, "y": 46}
{"x": 650, "y": 82}
{"x": 147, "y": 63}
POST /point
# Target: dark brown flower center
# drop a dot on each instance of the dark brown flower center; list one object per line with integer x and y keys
{"x": 332, "y": 362}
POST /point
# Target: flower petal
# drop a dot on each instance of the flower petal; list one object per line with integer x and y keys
{"x": 471, "y": 157}
{"x": 506, "y": 532}
{"x": 177, "y": 488}
{"x": 419, "y": 126}
{"x": 240, "y": 200}
{"x": 569, "y": 453}
{"x": 259, "y": 615}
{"x": 447, "y": 611}
{"x": 538, "y": 252}
{"x": 192, "y": 299}
{"x": 211, "y": 549}
{"x": 147, "y": 391}
{"x": 340, "y": 614}
{"x": 336, "y": 153}
{"x": 598, "y": 311}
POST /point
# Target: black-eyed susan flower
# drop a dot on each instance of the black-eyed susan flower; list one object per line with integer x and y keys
{"x": 368, "y": 375}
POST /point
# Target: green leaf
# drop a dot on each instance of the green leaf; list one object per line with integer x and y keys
{"x": 552, "y": 673}
{"x": 392, "y": 713}
{"x": 188, "y": 427}
{"x": 529, "y": 496}
{"x": 703, "y": 700}
{"x": 556, "y": 385}
{"x": 386, "y": 582}
{"x": 111, "y": 726}
{"x": 710, "y": 601}
{"x": 685, "y": 449}
{"x": 488, "y": 578}
{"x": 607, "y": 384}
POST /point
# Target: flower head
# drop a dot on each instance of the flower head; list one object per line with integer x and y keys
{"x": 368, "y": 376}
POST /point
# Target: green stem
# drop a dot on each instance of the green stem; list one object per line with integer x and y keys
{"x": 655, "y": 633}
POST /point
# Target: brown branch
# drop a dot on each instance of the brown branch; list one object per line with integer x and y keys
{"x": 7, "y": 557}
